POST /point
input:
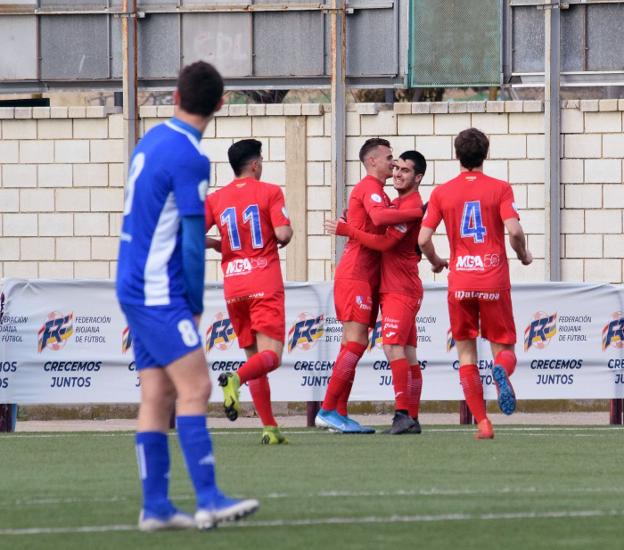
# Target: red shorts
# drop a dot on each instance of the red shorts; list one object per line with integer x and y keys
{"x": 250, "y": 315}
{"x": 491, "y": 307}
{"x": 398, "y": 318}
{"x": 356, "y": 301}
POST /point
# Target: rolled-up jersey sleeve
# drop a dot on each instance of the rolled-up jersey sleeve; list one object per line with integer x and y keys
{"x": 277, "y": 208}
{"x": 190, "y": 185}
{"x": 433, "y": 214}
{"x": 508, "y": 208}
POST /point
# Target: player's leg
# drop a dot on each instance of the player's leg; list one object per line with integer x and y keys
{"x": 499, "y": 328}
{"x": 472, "y": 386}
{"x": 354, "y": 342}
{"x": 152, "y": 451}
{"x": 152, "y": 447}
{"x": 261, "y": 390}
{"x": 414, "y": 384}
{"x": 401, "y": 422}
{"x": 189, "y": 375}
{"x": 464, "y": 317}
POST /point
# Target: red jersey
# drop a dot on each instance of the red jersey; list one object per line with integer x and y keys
{"x": 473, "y": 207}
{"x": 359, "y": 262}
{"x": 245, "y": 211}
{"x": 399, "y": 264}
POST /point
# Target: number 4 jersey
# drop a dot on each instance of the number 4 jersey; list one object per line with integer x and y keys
{"x": 473, "y": 207}
{"x": 245, "y": 211}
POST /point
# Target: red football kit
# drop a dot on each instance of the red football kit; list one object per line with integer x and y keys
{"x": 401, "y": 288}
{"x": 357, "y": 276}
{"x": 245, "y": 212}
{"x": 473, "y": 207}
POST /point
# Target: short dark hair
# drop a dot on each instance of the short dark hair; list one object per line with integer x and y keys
{"x": 471, "y": 148}
{"x": 200, "y": 87}
{"x": 241, "y": 152}
{"x": 420, "y": 164}
{"x": 370, "y": 144}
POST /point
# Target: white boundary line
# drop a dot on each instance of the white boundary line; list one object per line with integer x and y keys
{"x": 394, "y": 519}
{"x": 528, "y": 430}
{"x": 432, "y": 492}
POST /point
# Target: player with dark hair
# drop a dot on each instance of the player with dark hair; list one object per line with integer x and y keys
{"x": 356, "y": 281}
{"x": 401, "y": 290}
{"x": 252, "y": 220}
{"x": 160, "y": 287}
{"x": 476, "y": 210}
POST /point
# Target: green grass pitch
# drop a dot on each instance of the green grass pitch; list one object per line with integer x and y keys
{"x": 530, "y": 488}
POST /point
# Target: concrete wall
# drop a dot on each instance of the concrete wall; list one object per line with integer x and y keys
{"x": 62, "y": 176}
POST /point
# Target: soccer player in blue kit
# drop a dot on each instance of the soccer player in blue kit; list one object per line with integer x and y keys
{"x": 160, "y": 287}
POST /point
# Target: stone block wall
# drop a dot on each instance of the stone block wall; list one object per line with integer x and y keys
{"x": 62, "y": 177}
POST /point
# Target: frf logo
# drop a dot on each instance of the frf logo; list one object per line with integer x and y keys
{"x": 306, "y": 332}
{"x": 220, "y": 333}
{"x": 375, "y": 339}
{"x": 126, "y": 340}
{"x": 540, "y": 330}
{"x": 450, "y": 341}
{"x": 55, "y": 331}
{"x": 613, "y": 332}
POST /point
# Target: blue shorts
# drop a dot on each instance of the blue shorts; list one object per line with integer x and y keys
{"x": 161, "y": 334}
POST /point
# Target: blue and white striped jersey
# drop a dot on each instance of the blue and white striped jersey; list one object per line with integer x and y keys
{"x": 168, "y": 179}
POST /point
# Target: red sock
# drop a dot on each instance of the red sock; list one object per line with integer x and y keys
{"x": 344, "y": 373}
{"x": 341, "y": 406}
{"x": 400, "y": 370}
{"x": 473, "y": 390}
{"x": 258, "y": 365}
{"x": 261, "y": 395}
{"x": 414, "y": 389}
{"x": 507, "y": 360}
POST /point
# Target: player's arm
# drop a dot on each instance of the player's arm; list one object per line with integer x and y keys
{"x": 193, "y": 261}
{"x": 370, "y": 240}
{"x": 425, "y": 242}
{"x": 211, "y": 242}
{"x": 283, "y": 234}
{"x": 517, "y": 240}
{"x": 279, "y": 216}
{"x": 509, "y": 215}
{"x": 381, "y": 215}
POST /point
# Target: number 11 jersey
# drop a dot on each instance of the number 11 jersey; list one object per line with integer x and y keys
{"x": 246, "y": 211}
{"x": 473, "y": 207}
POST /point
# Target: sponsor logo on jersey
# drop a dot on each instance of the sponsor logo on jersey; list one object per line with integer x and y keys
{"x": 364, "y": 302}
{"x": 220, "y": 333}
{"x": 243, "y": 266}
{"x": 306, "y": 332}
{"x": 613, "y": 332}
{"x": 450, "y": 341}
{"x": 126, "y": 340}
{"x": 375, "y": 336}
{"x": 540, "y": 330}
{"x": 202, "y": 189}
{"x": 477, "y": 263}
{"x": 55, "y": 332}
{"x": 401, "y": 227}
{"x": 376, "y": 198}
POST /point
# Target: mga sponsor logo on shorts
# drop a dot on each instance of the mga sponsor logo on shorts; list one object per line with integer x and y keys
{"x": 613, "y": 332}
{"x": 375, "y": 336}
{"x": 364, "y": 302}
{"x": 126, "y": 340}
{"x": 450, "y": 341}
{"x": 55, "y": 332}
{"x": 220, "y": 333}
{"x": 540, "y": 330}
{"x": 306, "y": 332}
{"x": 243, "y": 266}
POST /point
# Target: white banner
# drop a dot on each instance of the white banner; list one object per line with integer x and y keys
{"x": 67, "y": 342}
